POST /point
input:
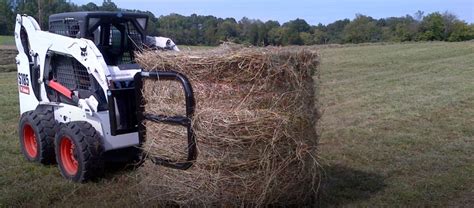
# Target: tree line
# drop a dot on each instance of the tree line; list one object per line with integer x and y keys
{"x": 210, "y": 30}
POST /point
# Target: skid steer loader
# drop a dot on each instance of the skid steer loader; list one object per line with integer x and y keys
{"x": 80, "y": 92}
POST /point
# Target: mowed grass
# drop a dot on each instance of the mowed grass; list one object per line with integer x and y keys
{"x": 7, "y": 60}
{"x": 398, "y": 125}
{"x": 194, "y": 48}
{"x": 397, "y": 130}
{"x": 7, "y": 40}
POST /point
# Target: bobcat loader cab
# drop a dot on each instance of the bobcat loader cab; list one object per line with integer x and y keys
{"x": 80, "y": 92}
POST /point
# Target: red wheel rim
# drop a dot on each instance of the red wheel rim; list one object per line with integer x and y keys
{"x": 29, "y": 140}
{"x": 68, "y": 158}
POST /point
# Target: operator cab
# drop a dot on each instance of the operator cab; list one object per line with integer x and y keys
{"x": 117, "y": 35}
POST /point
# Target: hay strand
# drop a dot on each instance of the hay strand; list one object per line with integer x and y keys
{"x": 255, "y": 123}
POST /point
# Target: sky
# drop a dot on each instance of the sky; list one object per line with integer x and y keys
{"x": 313, "y": 11}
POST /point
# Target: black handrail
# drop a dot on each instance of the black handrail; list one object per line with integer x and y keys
{"x": 172, "y": 120}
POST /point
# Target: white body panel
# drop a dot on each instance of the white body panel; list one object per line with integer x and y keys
{"x": 41, "y": 43}
{"x": 64, "y": 113}
{"x": 28, "y": 101}
{"x": 118, "y": 75}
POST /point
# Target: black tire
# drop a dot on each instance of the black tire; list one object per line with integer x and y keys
{"x": 36, "y": 133}
{"x": 86, "y": 150}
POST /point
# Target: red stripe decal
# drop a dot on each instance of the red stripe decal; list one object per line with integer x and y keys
{"x": 25, "y": 89}
{"x": 60, "y": 88}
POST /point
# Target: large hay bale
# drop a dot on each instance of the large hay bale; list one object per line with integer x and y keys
{"x": 255, "y": 124}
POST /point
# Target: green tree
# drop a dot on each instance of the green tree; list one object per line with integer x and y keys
{"x": 307, "y": 38}
{"x": 50, "y": 7}
{"x": 267, "y": 27}
{"x": 152, "y": 28}
{"x": 227, "y": 30}
{"x": 335, "y": 31}
{"x": 90, "y": 7}
{"x": 270, "y": 24}
{"x": 210, "y": 31}
{"x": 449, "y": 20}
{"x": 432, "y": 28}
{"x": 42, "y": 9}
{"x": 320, "y": 35}
{"x": 294, "y": 28}
{"x": 402, "y": 33}
{"x": 277, "y": 36}
{"x": 108, "y": 5}
{"x": 253, "y": 31}
{"x": 298, "y": 25}
{"x": 362, "y": 29}
{"x": 461, "y": 32}
{"x": 399, "y": 29}
{"x": 27, "y": 7}
{"x": 7, "y": 17}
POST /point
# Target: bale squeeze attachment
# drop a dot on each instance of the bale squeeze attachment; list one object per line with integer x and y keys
{"x": 185, "y": 121}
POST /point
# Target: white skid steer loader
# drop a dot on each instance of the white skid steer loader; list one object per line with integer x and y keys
{"x": 80, "y": 93}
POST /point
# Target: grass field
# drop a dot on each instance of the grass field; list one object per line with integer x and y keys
{"x": 397, "y": 130}
{"x": 193, "y": 48}
{"x": 6, "y": 40}
{"x": 7, "y": 60}
{"x": 398, "y": 126}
